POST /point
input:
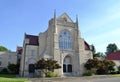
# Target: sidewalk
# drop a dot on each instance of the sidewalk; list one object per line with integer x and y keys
{"x": 63, "y": 79}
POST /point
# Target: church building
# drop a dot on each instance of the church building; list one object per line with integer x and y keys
{"x": 62, "y": 42}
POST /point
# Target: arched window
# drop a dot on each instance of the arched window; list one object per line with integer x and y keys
{"x": 65, "y": 40}
{"x": 31, "y": 61}
{"x": 67, "y": 64}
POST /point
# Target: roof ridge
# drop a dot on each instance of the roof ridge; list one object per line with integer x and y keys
{"x": 31, "y": 35}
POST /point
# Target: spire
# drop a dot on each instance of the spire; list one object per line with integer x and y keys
{"x": 77, "y": 22}
{"x": 54, "y": 14}
{"x": 77, "y": 25}
{"x": 55, "y": 28}
{"x": 77, "y": 19}
{"x": 25, "y": 35}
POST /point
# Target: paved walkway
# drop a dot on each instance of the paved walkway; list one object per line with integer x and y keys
{"x": 69, "y": 79}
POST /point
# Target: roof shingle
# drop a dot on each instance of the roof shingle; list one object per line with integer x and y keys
{"x": 19, "y": 50}
{"x": 87, "y": 47}
{"x": 33, "y": 40}
{"x": 113, "y": 56}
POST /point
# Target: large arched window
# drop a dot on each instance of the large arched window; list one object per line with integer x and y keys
{"x": 65, "y": 40}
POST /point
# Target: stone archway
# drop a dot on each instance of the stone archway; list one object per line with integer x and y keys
{"x": 67, "y": 64}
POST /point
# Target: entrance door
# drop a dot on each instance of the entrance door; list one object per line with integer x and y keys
{"x": 67, "y": 65}
{"x": 69, "y": 68}
{"x": 31, "y": 68}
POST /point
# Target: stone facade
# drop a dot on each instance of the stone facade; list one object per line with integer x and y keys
{"x": 71, "y": 56}
{"x": 7, "y": 58}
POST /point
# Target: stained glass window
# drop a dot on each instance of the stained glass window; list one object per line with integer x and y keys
{"x": 65, "y": 40}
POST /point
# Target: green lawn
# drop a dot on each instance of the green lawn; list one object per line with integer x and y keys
{"x": 11, "y": 78}
{"x": 7, "y": 75}
{"x": 116, "y": 75}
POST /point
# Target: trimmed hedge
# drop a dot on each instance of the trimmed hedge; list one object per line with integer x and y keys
{"x": 88, "y": 73}
{"x": 4, "y": 71}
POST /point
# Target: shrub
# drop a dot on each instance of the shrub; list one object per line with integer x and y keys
{"x": 118, "y": 68}
{"x": 4, "y": 71}
{"x": 100, "y": 71}
{"x": 113, "y": 72}
{"x": 47, "y": 65}
{"x": 12, "y": 68}
{"x": 88, "y": 73}
{"x": 102, "y": 66}
{"x": 118, "y": 72}
{"x": 51, "y": 74}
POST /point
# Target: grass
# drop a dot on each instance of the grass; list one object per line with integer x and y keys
{"x": 11, "y": 78}
{"x": 7, "y": 75}
{"x": 116, "y": 75}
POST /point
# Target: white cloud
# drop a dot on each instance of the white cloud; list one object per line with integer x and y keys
{"x": 97, "y": 23}
{"x": 104, "y": 24}
{"x": 102, "y": 40}
{"x": 111, "y": 14}
{"x": 110, "y": 34}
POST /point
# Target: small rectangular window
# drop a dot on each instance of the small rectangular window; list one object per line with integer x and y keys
{"x": 0, "y": 56}
{"x": 64, "y": 68}
{"x": 0, "y": 63}
{"x": 32, "y": 52}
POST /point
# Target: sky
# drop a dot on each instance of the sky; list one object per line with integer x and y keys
{"x": 99, "y": 20}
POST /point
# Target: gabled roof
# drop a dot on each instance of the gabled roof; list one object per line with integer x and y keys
{"x": 33, "y": 40}
{"x": 64, "y": 15}
{"x": 87, "y": 46}
{"x": 113, "y": 56}
{"x": 19, "y": 50}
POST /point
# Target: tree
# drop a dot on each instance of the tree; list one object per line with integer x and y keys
{"x": 111, "y": 48}
{"x": 96, "y": 54}
{"x": 100, "y": 66}
{"x": 93, "y": 49}
{"x": 99, "y": 54}
{"x": 108, "y": 65}
{"x": 92, "y": 63}
{"x": 2, "y": 48}
{"x": 47, "y": 65}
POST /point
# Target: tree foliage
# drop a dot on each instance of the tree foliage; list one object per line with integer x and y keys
{"x": 47, "y": 65}
{"x": 92, "y": 63}
{"x": 108, "y": 65}
{"x": 2, "y": 48}
{"x": 111, "y": 48}
{"x": 101, "y": 65}
{"x": 97, "y": 54}
{"x": 93, "y": 49}
{"x": 118, "y": 68}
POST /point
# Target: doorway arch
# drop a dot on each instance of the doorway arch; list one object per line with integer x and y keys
{"x": 67, "y": 64}
{"x": 31, "y": 65}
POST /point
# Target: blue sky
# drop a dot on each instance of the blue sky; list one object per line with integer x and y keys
{"x": 99, "y": 20}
